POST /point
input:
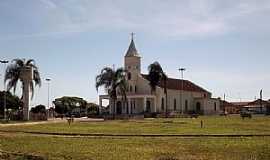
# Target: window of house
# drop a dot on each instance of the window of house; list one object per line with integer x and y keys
{"x": 129, "y": 75}
{"x": 215, "y": 106}
{"x": 129, "y": 67}
{"x": 174, "y": 104}
{"x": 162, "y": 103}
{"x": 130, "y": 88}
{"x": 186, "y": 105}
{"x": 135, "y": 89}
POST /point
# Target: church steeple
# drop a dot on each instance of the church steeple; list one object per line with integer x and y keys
{"x": 132, "y": 51}
{"x": 132, "y": 60}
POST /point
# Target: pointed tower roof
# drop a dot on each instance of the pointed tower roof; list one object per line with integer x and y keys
{"x": 132, "y": 51}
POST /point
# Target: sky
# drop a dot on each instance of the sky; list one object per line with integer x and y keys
{"x": 224, "y": 45}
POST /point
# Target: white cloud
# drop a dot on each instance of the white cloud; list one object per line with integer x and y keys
{"x": 49, "y": 3}
{"x": 175, "y": 18}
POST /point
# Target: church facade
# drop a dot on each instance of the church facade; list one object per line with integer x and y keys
{"x": 183, "y": 96}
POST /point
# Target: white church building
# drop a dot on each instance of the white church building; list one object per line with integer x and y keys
{"x": 183, "y": 95}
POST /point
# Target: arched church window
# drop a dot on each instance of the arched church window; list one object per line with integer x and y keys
{"x": 186, "y": 105}
{"x": 162, "y": 103}
{"x": 174, "y": 104}
{"x": 129, "y": 75}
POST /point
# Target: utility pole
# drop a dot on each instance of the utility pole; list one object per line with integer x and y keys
{"x": 261, "y": 92}
{"x": 181, "y": 88}
{"x": 5, "y": 98}
{"x": 48, "y": 81}
{"x": 224, "y": 110}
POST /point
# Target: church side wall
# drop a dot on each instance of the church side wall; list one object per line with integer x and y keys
{"x": 143, "y": 86}
{"x": 187, "y": 100}
{"x": 212, "y": 106}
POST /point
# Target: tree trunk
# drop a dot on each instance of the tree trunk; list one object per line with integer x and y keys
{"x": 113, "y": 107}
{"x": 166, "y": 110}
{"x": 26, "y": 100}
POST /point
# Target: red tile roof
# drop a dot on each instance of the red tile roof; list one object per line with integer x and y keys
{"x": 225, "y": 103}
{"x": 258, "y": 102}
{"x": 176, "y": 84}
{"x": 240, "y": 103}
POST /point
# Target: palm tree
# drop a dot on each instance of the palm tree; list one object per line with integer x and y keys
{"x": 114, "y": 82}
{"x": 157, "y": 76}
{"x": 26, "y": 72}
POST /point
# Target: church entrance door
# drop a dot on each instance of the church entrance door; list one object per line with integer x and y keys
{"x": 198, "y": 107}
{"x": 148, "y": 106}
{"x": 118, "y": 107}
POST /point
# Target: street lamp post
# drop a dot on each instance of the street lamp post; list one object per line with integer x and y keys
{"x": 5, "y": 98}
{"x": 182, "y": 88}
{"x": 48, "y": 81}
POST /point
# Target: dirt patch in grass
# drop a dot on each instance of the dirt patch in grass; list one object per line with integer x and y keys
{"x": 19, "y": 156}
{"x": 166, "y": 157}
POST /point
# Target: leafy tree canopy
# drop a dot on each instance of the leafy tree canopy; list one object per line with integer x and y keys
{"x": 66, "y": 104}
{"x": 12, "y": 101}
{"x": 39, "y": 109}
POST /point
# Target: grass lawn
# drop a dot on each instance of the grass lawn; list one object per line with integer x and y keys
{"x": 60, "y": 148}
{"x": 137, "y": 148}
{"x": 212, "y": 125}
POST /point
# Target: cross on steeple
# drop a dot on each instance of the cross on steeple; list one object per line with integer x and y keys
{"x": 132, "y": 35}
{"x": 132, "y": 51}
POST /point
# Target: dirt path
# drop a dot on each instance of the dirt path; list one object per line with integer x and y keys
{"x": 56, "y": 120}
{"x": 36, "y": 133}
{"x": 33, "y": 123}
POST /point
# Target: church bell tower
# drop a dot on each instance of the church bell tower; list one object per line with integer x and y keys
{"x": 132, "y": 62}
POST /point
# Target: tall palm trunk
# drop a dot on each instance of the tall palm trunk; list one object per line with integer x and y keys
{"x": 166, "y": 105}
{"x": 26, "y": 78}
{"x": 166, "y": 93}
{"x": 26, "y": 99}
{"x": 113, "y": 107}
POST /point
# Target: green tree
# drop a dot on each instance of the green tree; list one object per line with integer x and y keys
{"x": 65, "y": 105}
{"x": 12, "y": 102}
{"x": 92, "y": 109}
{"x": 157, "y": 76}
{"x": 114, "y": 82}
{"x": 38, "y": 109}
{"x": 27, "y": 72}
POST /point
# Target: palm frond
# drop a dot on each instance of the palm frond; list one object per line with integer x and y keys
{"x": 155, "y": 75}
{"x": 104, "y": 78}
{"x": 113, "y": 81}
{"x": 19, "y": 62}
{"x": 13, "y": 74}
{"x": 30, "y": 61}
{"x": 36, "y": 77}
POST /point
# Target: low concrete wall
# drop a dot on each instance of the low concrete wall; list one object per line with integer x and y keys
{"x": 38, "y": 116}
{"x": 123, "y": 116}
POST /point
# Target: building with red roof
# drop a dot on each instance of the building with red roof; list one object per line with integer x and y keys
{"x": 184, "y": 96}
{"x": 258, "y": 106}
